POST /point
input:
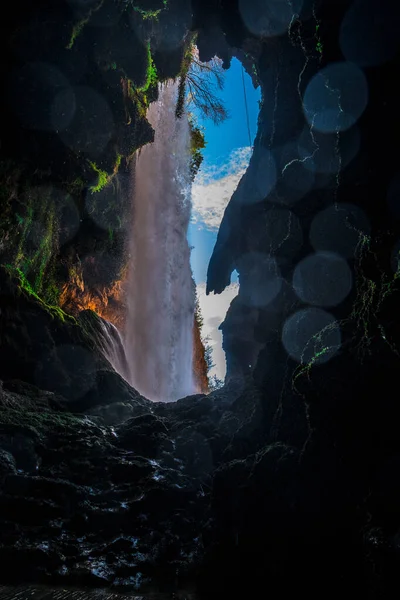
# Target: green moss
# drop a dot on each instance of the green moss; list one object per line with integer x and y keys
{"x": 318, "y": 44}
{"x": 78, "y": 27}
{"x": 53, "y": 310}
{"x": 75, "y": 186}
{"x": 151, "y": 72}
{"x": 102, "y": 178}
{"x": 147, "y": 14}
{"x": 36, "y": 250}
{"x": 76, "y": 30}
{"x": 139, "y": 96}
{"x": 117, "y": 163}
{"x": 44, "y": 252}
{"x": 150, "y": 13}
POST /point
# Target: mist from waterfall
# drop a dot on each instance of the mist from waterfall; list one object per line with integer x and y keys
{"x": 158, "y": 336}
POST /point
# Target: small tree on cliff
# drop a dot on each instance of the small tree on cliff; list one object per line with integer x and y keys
{"x": 214, "y": 383}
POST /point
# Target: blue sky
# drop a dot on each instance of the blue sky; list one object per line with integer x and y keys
{"x": 226, "y": 157}
{"x": 222, "y": 141}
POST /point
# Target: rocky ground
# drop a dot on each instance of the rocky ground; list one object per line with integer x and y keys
{"x": 218, "y": 492}
{"x": 90, "y": 500}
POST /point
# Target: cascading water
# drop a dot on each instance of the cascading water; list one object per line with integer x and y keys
{"x": 158, "y": 334}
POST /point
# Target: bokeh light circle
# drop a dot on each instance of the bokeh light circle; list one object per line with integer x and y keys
{"x": 283, "y": 232}
{"x": 67, "y": 216}
{"x": 324, "y": 153}
{"x": 62, "y": 109}
{"x": 336, "y": 97}
{"x": 260, "y": 279}
{"x": 369, "y": 33}
{"x": 295, "y": 180}
{"x": 33, "y": 90}
{"x": 311, "y": 335}
{"x": 103, "y": 208}
{"x": 93, "y": 124}
{"x": 322, "y": 279}
{"x": 339, "y": 228}
{"x": 268, "y": 19}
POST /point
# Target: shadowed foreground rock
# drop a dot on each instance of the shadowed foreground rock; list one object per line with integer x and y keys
{"x": 46, "y": 593}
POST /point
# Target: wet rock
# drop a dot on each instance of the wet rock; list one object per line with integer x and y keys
{"x": 194, "y": 450}
{"x": 109, "y": 388}
{"x": 146, "y": 435}
{"x": 7, "y": 464}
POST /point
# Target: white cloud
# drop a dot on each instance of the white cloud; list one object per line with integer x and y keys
{"x": 213, "y": 309}
{"x": 214, "y": 186}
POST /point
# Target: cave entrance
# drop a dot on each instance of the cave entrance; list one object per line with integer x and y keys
{"x": 225, "y": 159}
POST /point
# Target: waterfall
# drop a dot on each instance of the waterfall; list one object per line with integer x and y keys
{"x": 158, "y": 334}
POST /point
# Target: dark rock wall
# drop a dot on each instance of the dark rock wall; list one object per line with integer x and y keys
{"x": 286, "y": 479}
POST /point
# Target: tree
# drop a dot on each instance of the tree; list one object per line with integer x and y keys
{"x": 199, "y": 85}
{"x": 203, "y": 81}
{"x": 214, "y": 383}
{"x": 197, "y": 143}
{"x": 208, "y": 354}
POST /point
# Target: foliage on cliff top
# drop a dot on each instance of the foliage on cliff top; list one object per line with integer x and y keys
{"x": 197, "y": 143}
{"x": 200, "y": 83}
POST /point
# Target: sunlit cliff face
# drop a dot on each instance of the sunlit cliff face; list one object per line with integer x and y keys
{"x": 107, "y": 302}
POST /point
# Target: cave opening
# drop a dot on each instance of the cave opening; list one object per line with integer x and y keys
{"x": 181, "y": 185}
{"x": 287, "y": 475}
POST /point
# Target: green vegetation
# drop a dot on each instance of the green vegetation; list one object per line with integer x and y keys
{"x": 197, "y": 143}
{"x": 214, "y": 382}
{"x": 318, "y": 46}
{"x": 184, "y": 70}
{"x": 147, "y": 14}
{"x": 117, "y": 163}
{"x": 197, "y": 314}
{"x": 36, "y": 231}
{"x": 76, "y": 30}
{"x": 102, "y": 178}
{"x": 78, "y": 27}
{"x": 53, "y": 310}
{"x": 199, "y": 84}
{"x": 45, "y": 250}
{"x": 139, "y": 96}
{"x": 75, "y": 186}
{"x": 151, "y": 72}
